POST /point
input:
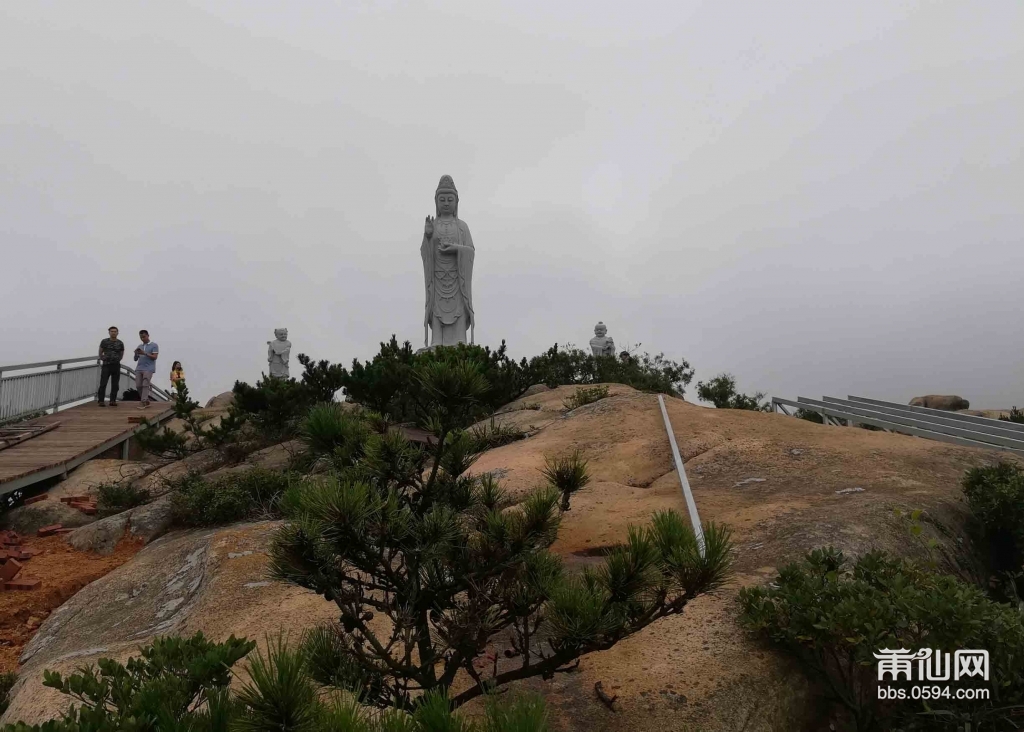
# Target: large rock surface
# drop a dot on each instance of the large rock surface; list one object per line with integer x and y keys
{"x": 87, "y": 477}
{"x": 214, "y": 581}
{"x": 950, "y": 403}
{"x": 783, "y": 485}
{"x": 158, "y": 482}
{"x": 144, "y": 524}
{"x": 29, "y": 519}
{"x": 82, "y": 481}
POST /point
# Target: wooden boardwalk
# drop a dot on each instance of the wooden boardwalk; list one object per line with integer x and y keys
{"x": 85, "y": 431}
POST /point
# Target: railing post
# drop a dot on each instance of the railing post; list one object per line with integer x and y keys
{"x": 1, "y": 396}
{"x": 56, "y": 398}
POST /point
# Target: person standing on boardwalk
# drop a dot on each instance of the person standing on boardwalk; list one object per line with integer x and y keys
{"x": 146, "y": 354}
{"x": 177, "y": 375}
{"x": 110, "y": 355}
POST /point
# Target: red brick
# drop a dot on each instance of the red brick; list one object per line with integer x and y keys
{"x": 74, "y": 499}
{"x": 50, "y": 530}
{"x": 23, "y": 584}
{"x": 36, "y": 499}
{"x": 30, "y": 551}
{"x": 63, "y": 531}
{"x": 9, "y": 570}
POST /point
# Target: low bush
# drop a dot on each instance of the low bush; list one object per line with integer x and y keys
{"x": 495, "y": 434}
{"x": 567, "y": 474}
{"x": 185, "y": 684}
{"x": 810, "y": 416}
{"x": 1015, "y": 415}
{"x": 120, "y": 496}
{"x": 560, "y": 366}
{"x": 996, "y": 497}
{"x": 172, "y": 444}
{"x": 833, "y": 618}
{"x": 582, "y": 397}
{"x": 331, "y": 430}
{"x": 252, "y": 494}
{"x": 721, "y": 391}
{"x": 274, "y": 407}
{"x": 387, "y": 385}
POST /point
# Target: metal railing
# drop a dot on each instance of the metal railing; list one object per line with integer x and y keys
{"x": 931, "y": 424}
{"x": 49, "y": 385}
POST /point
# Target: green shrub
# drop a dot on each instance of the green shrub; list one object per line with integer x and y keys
{"x": 996, "y": 497}
{"x": 809, "y": 416}
{"x": 273, "y": 406}
{"x": 171, "y": 444}
{"x": 329, "y": 429}
{"x": 7, "y": 682}
{"x": 560, "y": 366}
{"x": 495, "y": 434}
{"x": 386, "y": 384}
{"x": 1015, "y": 415}
{"x": 567, "y": 474}
{"x": 252, "y": 494}
{"x": 834, "y": 618}
{"x": 321, "y": 379}
{"x": 163, "y": 442}
{"x": 114, "y": 497}
{"x": 583, "y": 396}
{"x": 177, "y": 683}
{"x": 184, "y": 684}
{"x": 721, "y": 391}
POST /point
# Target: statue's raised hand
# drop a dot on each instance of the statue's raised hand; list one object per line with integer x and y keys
{"x": 428, "y": 227}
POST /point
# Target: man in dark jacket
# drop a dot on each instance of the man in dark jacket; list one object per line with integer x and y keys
{"x": 111, "y": 353}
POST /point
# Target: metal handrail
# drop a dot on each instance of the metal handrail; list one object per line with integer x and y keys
{"x": 41, "y": 364}
{"x": 50, "y": 389}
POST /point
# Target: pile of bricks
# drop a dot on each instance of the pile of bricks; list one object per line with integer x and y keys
{"x": 12, "y": 554}
{"x": 85, "y": 504}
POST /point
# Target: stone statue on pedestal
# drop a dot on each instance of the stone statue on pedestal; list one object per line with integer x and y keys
{"x": 278, "y": 352}
{"x": 447, "y": 252}
{"x": 602, "y": 344}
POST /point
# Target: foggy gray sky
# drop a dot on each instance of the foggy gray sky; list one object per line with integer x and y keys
{"x": 822, "y": 198}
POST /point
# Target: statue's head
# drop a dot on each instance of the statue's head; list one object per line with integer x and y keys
{"x": 446, "y": 198}
{"x": 281, "y": 333}
{"x": 600, "y": 330}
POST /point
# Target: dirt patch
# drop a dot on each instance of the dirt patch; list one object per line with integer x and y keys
{"x": 64, "y": 571}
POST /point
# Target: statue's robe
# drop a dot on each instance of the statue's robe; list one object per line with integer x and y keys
{"x": 602, "y": 346}
{"x": 277, "y": 356}
{"x": 448, "y": 278}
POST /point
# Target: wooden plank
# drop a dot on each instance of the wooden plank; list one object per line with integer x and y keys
{"x": 28, "y": 435}
{"x": 83, "y": 429}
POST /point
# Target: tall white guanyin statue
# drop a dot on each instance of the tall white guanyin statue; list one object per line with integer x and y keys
{"x": 447, "y": 252}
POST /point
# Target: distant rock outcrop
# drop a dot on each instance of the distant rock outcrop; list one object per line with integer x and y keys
{"x": 949, "y": 403}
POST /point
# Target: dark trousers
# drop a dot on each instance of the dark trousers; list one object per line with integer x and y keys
{"x": 111, "y": 371}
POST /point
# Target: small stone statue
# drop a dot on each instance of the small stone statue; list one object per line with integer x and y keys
{"x": 278, "y": 352}
{"x": 602, "y": 344}
{"x": 447, "y": 252}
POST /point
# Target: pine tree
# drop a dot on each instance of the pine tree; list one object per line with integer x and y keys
{"x": 441, "y": 581}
